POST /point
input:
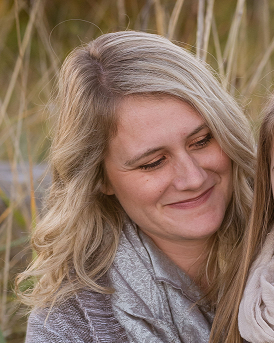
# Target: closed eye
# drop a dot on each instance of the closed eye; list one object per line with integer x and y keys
{"x": 153, "y": 164}
{"x": 200, "y": 143}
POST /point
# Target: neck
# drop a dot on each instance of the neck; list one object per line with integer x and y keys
{"x": 189, "y": 255}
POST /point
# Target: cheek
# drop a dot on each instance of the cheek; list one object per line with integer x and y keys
{"x": 225, "y": 164}
{"x": 221, "y": 162}
{"x": 272, "y": 183}
{"x": 135, "y": 187}
{"x": 225, "y": 173}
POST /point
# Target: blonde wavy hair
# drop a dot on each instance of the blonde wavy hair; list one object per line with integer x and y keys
{"x": 76, "y": 241}
{"x": 261, "y": 221}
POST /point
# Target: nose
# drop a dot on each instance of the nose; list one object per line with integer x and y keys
{"x": 188, "y": 174}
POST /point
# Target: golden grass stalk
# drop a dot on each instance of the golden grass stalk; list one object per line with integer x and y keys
{"x": 44, "y": 35}
{"x": 144, "y": 16}
{"x": 218, "y": 50}
{"x": 34, "y": 214}
{"x": 231, "y": 34}
{"x": 4, "y": 319}
{"x": 2, "y": 339}
{"x": 208, "y": 21}
{"x": 18, "y": 27}
{"x": 18, "y": 216}
{"x": 232, "y": 40}
{"x": 265, "y": 24}
{"x": 200, "y": 28}
{"x": 18, "y": 65}
{"x": 15, "y": 153}
{"x": 174, "y": 18}
{"x": 160, "y": 18}
{"x": 5, "y": 214}
{"x": 257, "y": 75}
{"x": 7, "y": 23}
{"x": 242, "y": 60}
{"x": 121, "y": 13}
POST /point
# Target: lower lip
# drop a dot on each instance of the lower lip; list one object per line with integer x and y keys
{"x": 192, "y": 203}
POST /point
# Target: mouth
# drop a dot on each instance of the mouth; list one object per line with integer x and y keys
{"x": 192, "y": 202}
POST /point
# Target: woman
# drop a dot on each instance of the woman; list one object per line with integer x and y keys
{"x": 152, "y": 184}
{"x": 256, "y": 312}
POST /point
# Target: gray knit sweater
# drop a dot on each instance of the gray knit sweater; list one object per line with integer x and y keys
{"x": 85, "y": 318}
{"x": 154, "y": 301}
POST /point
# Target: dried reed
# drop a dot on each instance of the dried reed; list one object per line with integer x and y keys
{"x": 28, "y": 79}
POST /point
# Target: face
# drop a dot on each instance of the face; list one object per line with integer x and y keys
{"x": 167, "y": 170}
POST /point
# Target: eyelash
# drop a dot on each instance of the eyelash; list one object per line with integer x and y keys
{"x": 199, "y": 144}
{"x": 153, "y": 164}
{"x": 202, "y": 143}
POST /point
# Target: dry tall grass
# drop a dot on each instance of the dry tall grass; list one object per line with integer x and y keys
{"x": 235, "y": 37}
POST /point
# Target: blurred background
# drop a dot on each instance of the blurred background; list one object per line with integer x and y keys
{"x": 235, "y": 37}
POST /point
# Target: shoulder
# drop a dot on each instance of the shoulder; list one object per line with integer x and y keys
{"x": 257, "y": 299}
{"x": 85, "y": 317}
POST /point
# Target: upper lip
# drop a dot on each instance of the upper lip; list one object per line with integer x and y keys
{"x": 192, "y": 199}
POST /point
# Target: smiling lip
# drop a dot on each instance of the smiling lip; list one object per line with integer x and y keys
{"x": 192, "y": 202}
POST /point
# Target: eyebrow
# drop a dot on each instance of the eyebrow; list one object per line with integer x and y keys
{"x": 150, "y": 151}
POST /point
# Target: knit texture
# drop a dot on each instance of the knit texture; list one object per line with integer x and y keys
{"x": 85, "y": 318}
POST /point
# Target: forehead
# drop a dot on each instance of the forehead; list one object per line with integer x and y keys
{"x": 147, "y": 123}
{"x": 154, "y": 109}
